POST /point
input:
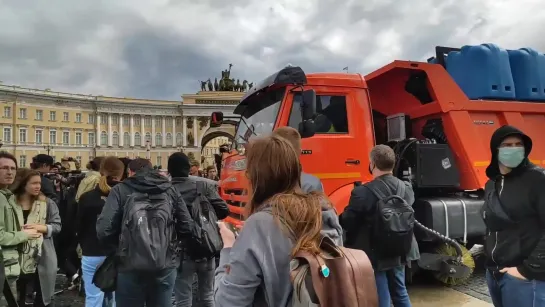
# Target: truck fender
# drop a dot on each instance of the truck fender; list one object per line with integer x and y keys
{"x": 341, "y": 196}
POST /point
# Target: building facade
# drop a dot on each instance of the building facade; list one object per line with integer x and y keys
{"x": 84, "y": 126}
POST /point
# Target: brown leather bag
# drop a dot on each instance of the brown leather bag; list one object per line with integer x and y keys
{"x": 338, "y": 277}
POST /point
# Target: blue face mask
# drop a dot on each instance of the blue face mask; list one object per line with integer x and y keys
{"x": 511, "y": 156}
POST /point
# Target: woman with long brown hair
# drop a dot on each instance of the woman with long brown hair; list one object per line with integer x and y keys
{"x": 39, "y": 260}
{"x": 281, "y": 220}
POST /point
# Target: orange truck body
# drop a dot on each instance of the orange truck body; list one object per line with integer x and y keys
{"x": 468, "y": 125}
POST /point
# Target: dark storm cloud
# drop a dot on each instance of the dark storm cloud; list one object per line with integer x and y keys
{"x": 162, "y": 62}
{"x": 161, "y": 49}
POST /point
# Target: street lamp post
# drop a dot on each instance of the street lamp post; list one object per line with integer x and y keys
{"x": 48, "y": 148}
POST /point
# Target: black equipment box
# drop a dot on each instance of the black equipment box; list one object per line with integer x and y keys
{"x": 456, "y": 217}
{"x": 435, "y": 166}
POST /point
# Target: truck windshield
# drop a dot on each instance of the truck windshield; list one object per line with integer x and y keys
{"x": 259, "y": 116}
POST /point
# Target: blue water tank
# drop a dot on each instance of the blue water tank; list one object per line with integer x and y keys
{"x": 528, "y": 67}
{"x": 482, "y": 72}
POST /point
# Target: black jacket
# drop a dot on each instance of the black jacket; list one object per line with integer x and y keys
{"x": 514, "y": 212}
{"x": 48, "y": 189}
{"x": 89, "y": 208}
{"x": 108, "y": 225}
{"x": 357, "y": 218}
{"x": 187, "y": 186}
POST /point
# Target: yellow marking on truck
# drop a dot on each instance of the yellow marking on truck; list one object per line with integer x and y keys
{"x": 337, "y": 175}
{"x": 486, "y": 163}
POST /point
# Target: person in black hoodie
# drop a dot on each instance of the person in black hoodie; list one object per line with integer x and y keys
{"x": 90, "y": 206}
{"x": 178, "y": 168}
{"x": 514, "y": 214}
{"x": 137, "y": 287}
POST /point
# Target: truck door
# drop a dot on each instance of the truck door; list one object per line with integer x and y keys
{"x": 338, "y": 152}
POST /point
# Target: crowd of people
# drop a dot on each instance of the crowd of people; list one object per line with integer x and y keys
{"x": 135, "y": 237}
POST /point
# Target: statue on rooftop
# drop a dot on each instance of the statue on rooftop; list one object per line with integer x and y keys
{"x": 226, "y": 83}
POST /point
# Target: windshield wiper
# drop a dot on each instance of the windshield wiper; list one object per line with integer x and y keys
{"x": 243, "y": 137}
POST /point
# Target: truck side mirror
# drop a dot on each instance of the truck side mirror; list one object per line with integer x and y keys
{"x": 308, "y": 106}
{"x": 216, "y": 119}
{"x": 307, "y": 128}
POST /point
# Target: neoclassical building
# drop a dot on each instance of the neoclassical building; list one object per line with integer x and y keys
{"x": 84, "y": 126}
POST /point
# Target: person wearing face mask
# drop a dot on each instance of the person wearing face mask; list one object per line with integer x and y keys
{"x": 359, "y": 220}
{"x": 514, "y": 214}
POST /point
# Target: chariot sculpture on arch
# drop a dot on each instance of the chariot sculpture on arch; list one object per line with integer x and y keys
{"x": 226, "y": 83}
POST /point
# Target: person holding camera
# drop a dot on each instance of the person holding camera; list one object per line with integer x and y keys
{"x": 42, "y": 163}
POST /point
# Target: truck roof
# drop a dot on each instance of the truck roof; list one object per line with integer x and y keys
{"x": 337, "y": 79}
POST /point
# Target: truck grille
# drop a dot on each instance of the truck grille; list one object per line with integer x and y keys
{"x": 236, "y": 200}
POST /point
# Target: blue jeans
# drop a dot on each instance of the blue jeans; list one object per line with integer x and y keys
{"x": 93, "y": 296}
{"x": 506, "y": 291}
{"x": 139, "y": 289}
{"x": 394, "y": 280}
{"x": 183, "y": 290}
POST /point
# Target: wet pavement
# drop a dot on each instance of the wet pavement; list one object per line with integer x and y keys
{"x": 428, "y": 296}
{"x": 424, "y": 293}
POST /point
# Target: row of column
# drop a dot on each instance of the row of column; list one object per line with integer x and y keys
{"x": 143, "y": 132}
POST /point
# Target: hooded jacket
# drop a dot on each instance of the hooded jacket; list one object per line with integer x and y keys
{"x": 514, "y": 212}
{"x": 256, "y": 270}
{"x": 311, "y": 183}
{"x": 108, "y": 226}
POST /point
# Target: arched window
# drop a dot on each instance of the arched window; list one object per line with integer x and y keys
{"x": 126, "y": 139}
{"x": 115, "y": 139}
{"x": 103, "y": 138}
{"x": 158, "y": 139}
{"x": 137, "y": 139}
{"x": 179, "y": 139}
{"x": 169, "y": 139}
{"x": 148, "y": 137}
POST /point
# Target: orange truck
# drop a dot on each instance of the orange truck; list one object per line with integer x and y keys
{"x": 436, "y": 116}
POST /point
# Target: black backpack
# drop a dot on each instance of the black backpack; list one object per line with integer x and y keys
{"x": 206, "y": 219}
{"x": 148, "y": 235}
{"x": 394, "y": 222}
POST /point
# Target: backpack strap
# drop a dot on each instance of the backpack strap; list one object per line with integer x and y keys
{"x": 314, "y": 263}
{"x": 399, "y": 191}
{"x": 377, "y": 192}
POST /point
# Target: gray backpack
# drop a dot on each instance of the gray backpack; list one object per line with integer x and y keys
{"x": 206, "y": 219}
{"x": 148, "y": 236}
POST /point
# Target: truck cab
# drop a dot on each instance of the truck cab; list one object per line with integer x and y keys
{"x": 337, "y": 151}
{"x": 437, "y": 124}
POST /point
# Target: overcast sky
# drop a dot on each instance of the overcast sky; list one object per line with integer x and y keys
{"x": 160, "y": 49}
